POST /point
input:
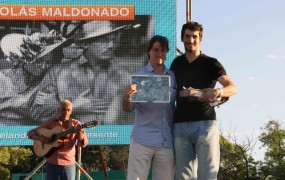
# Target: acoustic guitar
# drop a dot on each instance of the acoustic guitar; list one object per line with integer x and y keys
{"x": 45, "y": 149}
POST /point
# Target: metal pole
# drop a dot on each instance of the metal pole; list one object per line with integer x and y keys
{"x": 188, "y": 18}
{"x": 35, "y": 169}
{"x": 188, "y": 10}
{"x": 83, "y": 171}
{"x": 79, "y": 162}
{"x": 79, "y": 167}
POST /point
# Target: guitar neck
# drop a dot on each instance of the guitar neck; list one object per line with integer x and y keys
{"x": 69, "y": 131}
{"x": 72, "y": 130}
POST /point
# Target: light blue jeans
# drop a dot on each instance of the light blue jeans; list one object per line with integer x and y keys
{"x": 56, "y": 172}
{"x": 197, "y": 150}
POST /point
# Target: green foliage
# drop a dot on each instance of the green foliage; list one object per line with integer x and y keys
{"x": 119, "y": 157}
{"x": 13, "y": 159}
{"x": 20, "y": 159}
{"x": 93, "y": 159}
{"x": 4, "y": 156}
{"x": 4, "y": 173}
{"x": 273, "y": 138}
{"x": 236, "y": 164}
{"x": 115, "y": 157}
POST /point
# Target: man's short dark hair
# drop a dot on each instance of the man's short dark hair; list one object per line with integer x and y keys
{"x": 192, "y": 26}
{"x": 161, "y": 39}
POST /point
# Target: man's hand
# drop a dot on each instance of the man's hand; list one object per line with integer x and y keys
{"x": 209, "y": 95}
{"x": 130, "y": 90}
{"x": 126, "y": 100}
{"x": 80, "y": 134}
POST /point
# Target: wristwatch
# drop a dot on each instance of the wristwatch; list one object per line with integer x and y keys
{"x": 220, "y": 94}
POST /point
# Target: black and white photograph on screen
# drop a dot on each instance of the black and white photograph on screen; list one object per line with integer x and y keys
{"x": 86, "y": 62}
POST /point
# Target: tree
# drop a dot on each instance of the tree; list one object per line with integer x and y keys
{"x": 119, "y": 157}
{"x": 236, "y": 161}
{"x": 4, "y": 173}
{"x": 14, "y": 160}
{"x": 4, "y": 161}
{"x": 93, "y": 158}
{"x": 273, "y": 138}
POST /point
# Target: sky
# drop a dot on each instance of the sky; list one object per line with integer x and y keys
{"x": 248, "y": 38}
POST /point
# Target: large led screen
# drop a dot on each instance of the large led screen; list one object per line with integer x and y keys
{"x": 83, "y": 51}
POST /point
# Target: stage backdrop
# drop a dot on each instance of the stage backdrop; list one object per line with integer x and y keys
{"x": 81, "y": 50}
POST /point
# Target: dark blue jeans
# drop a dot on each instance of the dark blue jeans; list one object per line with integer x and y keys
{"x": 55, "y": 172}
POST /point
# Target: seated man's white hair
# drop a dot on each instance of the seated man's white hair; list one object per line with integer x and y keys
{"x": 64, "y": 102}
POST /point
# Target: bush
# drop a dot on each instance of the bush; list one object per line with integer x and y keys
{"x": 4, "y": 173}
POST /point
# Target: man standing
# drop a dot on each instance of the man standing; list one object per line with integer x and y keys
{"x": 152, "y": 143}
{"x": 196, "y": 134}
{"x": 62, "y": 161}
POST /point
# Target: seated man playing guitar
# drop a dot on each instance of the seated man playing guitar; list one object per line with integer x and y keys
{"x": 59, "y": 152}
